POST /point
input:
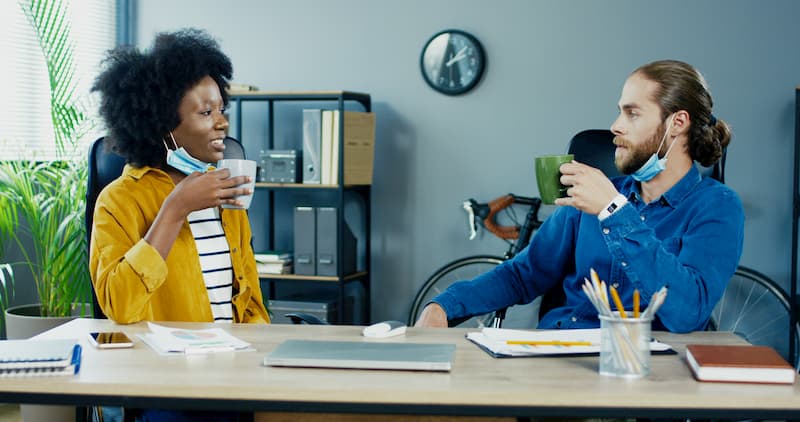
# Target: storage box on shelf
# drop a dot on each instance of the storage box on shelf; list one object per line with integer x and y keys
{"x": 333, "y": 139}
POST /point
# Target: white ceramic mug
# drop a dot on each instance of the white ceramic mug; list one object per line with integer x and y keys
{"x": 239, "y": 167}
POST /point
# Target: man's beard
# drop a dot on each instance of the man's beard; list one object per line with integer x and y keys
{"x": 638, "y": 155}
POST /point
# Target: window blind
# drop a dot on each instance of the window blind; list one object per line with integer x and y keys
{"x": 26, "y": 128}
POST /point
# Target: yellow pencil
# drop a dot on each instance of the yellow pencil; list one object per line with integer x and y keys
{"x": 618, "y": 302}
{"x": 550, "y": 342}
{"x": 595, "y": 277}
{"x": 636, "y": 303}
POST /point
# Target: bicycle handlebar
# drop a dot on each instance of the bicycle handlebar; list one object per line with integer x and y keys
{"x": 487, "y": 213}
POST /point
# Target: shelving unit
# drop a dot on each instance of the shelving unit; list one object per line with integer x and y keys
{"x": 334, "y": 193}
{"x": 795, "y": 220}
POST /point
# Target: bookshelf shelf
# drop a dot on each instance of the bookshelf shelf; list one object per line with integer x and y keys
{"x": 293, "y": 277}
{"x": 283, "y": 197}
{"x": 263, "y": 185}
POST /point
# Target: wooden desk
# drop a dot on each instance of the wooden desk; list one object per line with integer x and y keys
{"x": 478, "y": 384}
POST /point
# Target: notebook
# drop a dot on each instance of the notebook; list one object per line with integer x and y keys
{"x": 362, "y": 355}
{"x": 759, "y": 364}
{"x": 39, "y": 357}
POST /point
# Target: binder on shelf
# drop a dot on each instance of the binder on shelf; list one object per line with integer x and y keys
{"x": 327, "y": 146}
{"x": 305, "y": 234}
{"x": 312, "y": 144}
{"x": 328, "y": 252}
{"x": 335, "y": 149}
{"x": 359, "y": 147}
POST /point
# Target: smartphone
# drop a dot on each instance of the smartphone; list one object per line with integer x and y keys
{"x": 110, "y": 340}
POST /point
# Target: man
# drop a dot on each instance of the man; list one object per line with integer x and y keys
{"x": 661, "y": 224}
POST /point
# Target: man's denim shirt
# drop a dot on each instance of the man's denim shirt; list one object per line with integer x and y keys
{"x": 690, "y": 240}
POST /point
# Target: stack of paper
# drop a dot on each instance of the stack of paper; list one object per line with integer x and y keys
{"x": 168, "y": 340}
{"x": 274, "y": 262}
{"x": 500, "y": 342}
{"x": 39, "y": 357}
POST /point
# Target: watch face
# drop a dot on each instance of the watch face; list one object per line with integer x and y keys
{"x": 452, "y": 62}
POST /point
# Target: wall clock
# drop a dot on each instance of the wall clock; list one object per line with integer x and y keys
{"x": 452, "y": 62}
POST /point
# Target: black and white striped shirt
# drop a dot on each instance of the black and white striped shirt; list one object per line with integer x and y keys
{"x": 215, "y": 261}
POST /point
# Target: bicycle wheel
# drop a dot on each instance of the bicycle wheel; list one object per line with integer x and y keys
{"x": 756, "y": 309}
{"x": 458, "y": 270}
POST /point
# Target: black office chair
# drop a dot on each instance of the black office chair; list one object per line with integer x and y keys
{"x": 595, "y": 147}
{"x": 105, "y": 166}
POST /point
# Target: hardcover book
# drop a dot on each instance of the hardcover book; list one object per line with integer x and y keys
{"x": 725, "y": 363}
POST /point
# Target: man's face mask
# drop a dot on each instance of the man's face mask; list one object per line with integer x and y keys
{"x": 654, "y": 165}
{"x": 182, "y": 161}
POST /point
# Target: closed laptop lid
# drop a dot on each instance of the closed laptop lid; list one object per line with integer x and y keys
{"x": 362, "y": 355}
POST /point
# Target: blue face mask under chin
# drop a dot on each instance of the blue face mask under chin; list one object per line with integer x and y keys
{"x": 182, "y": 161}
{"x": 654, "y": 165}
{"x": 650, "y": 169}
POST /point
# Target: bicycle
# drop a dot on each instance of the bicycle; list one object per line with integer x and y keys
{"x": 467, "y": 268}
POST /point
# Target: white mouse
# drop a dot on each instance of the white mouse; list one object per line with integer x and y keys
{"x": 385, "y": 329}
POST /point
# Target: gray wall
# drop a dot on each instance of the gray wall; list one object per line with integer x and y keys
{"x": 555, "y": 68}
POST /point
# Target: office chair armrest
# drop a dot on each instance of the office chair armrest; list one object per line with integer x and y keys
{"x": 301, "y": 317}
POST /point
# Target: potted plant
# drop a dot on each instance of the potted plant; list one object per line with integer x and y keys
{"x": 42, "y": 202}
{"x": 6, "y": 289}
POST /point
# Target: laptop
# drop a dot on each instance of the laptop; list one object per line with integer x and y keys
{"x": 362, "y": 355}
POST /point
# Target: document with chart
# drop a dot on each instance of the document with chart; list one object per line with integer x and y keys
{"x": 168, "y": 340}
{"x": 500, "y": 342}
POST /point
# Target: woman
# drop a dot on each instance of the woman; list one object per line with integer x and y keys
{"x": 162, "y": 248}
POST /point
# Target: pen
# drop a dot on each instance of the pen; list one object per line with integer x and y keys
{"x": 636, "y": 303}
{"x": 550, "y": 343}
{"x": 618, "y": 302}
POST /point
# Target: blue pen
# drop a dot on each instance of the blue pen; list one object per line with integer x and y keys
{"x": 76, "y": 357}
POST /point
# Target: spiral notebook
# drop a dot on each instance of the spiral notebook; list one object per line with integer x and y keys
{"x": 39, "y": 357}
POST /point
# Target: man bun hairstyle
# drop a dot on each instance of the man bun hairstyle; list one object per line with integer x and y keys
{"x": 682, "y": 87}
{"x": 142, "y": 90}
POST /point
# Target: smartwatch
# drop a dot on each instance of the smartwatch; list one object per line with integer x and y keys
{"x": 618, "y": 202}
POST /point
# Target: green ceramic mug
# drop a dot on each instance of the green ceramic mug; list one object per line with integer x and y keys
{"x": 548, "y": 175}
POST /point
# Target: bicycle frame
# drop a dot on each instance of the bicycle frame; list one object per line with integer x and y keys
{"x": 522, "y": 233}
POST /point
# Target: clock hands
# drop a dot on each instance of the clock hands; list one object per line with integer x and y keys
{"x": 459, "y": 56}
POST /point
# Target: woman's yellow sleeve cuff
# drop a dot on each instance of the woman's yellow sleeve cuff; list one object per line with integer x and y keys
{"x": 148, "y": 264}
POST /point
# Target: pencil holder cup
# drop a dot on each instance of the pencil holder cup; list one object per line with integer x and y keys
{"x": 624, "y": 346}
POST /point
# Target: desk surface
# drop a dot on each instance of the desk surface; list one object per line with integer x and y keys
{"x": 477, "y": 385}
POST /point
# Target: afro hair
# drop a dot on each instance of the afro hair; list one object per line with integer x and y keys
{"x": 142, "y": 90}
